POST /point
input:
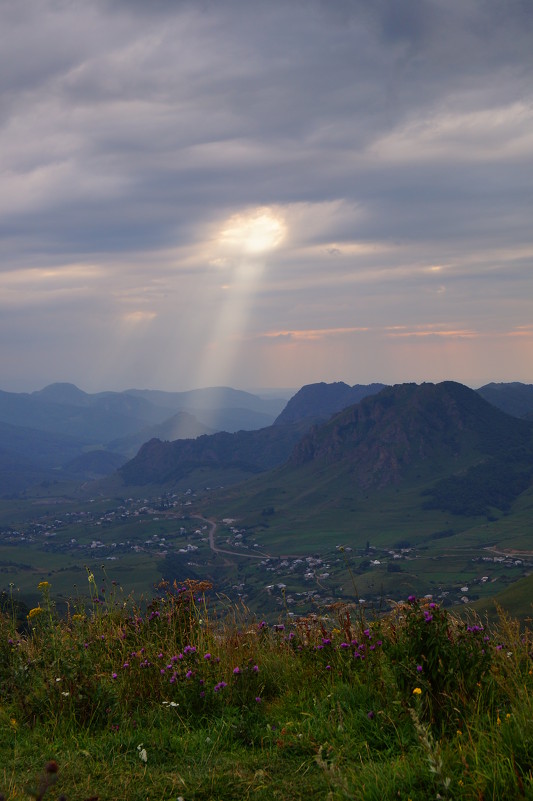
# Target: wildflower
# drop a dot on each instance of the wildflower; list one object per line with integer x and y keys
{"x": 427, "y": 617}
{"x": 43, "y": 585}
{"x": 65, "y": 694}
{"x": 258, "y": 699}
{"x": 207, "y": 656}
{"x": 411, "y": 599}
{"x": 236, "y": 671}
{"x": 419, "y": 668}
{"x": 114, "y": 675}
{"x": 255, "y": 668}
{"x": 34, "y": 612}
{"x": 219, "y": 686}
{"x": 370, "y": 715}
{"x": 328, "y": 667}
{"x": 417, "y": 691}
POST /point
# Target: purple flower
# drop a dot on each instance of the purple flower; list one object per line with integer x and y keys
{"x": 219, "y": 686}
{"x": 114, "y": 675}
{"x": 411, "y": 599}
{"x": 188, "y": 675}
{"x": 258, "y": 699}
{"x": 419, "y": 668}
{"x": 326, "y": 641}
{"x": 370, "y": 715}
{"x": 427, "y": 617}
{"x": 236, "y": 671}
{"x": 328, "y": 667}
{"x": 126, "y": 665}
{"x": 207, "y": 656}
{"x": 344, "y": 645}
{"x": 255, "y": 668}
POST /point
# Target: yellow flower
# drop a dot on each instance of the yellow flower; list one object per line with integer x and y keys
{"x": 34, "y": 612}
{"x": 459, "y": 732}
{"x": 43, "y": 585}
{"x": 417, "y": 691}
{"x": 498, "y": 721}
{"x": 14, "y": 723}
{"x": 77, "y": 616}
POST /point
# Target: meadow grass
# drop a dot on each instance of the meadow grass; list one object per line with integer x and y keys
{"x": 190, "y": 697}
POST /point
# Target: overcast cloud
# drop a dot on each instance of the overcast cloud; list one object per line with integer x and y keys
{"x": 265, "y": 194}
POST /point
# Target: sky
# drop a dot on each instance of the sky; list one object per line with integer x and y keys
{"x": 222, "y": 192}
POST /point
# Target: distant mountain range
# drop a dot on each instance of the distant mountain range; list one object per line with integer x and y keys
{"x": 61, "y": 432}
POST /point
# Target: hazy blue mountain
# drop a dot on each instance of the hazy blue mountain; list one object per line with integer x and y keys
{"x": 211, "y": 398}
{"x": 319, "y": 401}
{"x": 180, "y": 426}
{"x": 29, "y": 456}
{"x": 36, "y": 427}
{"x": 513, "y": 398}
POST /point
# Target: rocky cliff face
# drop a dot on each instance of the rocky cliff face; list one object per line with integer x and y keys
{"x": 386, "y": 434}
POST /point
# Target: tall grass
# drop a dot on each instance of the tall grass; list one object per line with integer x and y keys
{"x": 187, "y": 698}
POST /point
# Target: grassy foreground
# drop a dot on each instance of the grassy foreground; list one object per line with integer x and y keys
{"x": 183, "y": 700}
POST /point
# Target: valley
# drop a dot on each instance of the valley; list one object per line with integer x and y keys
{"x": 412, "y": 490}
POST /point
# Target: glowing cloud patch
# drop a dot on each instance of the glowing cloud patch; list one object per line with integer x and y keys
{"x": 255, "y": 232}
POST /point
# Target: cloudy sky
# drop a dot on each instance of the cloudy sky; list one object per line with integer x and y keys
{"x": 206, "y": 192}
